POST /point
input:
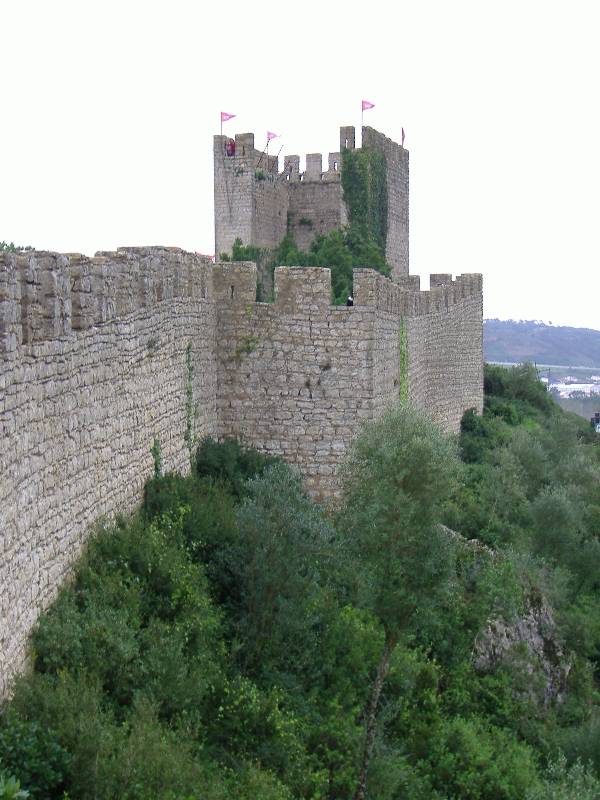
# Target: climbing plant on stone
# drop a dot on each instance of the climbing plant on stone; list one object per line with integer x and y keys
{"x": 364, "y": 182}
{"x": 403, "y": 362}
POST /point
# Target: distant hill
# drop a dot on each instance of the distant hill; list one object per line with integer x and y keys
{"x": 512, "y": 341}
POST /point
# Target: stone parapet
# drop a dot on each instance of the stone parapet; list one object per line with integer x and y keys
{"x": 403, "y": 297}
{"x": 99, "y": 357}
{"x": 46, "y": 296}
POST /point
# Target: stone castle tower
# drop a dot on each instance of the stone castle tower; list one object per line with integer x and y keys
{"x": 259, "y": 205}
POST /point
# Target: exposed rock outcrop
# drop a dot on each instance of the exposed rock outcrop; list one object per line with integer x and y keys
{"x": 531, "y": 644}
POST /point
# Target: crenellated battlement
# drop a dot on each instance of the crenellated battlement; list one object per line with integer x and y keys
{"x": 314, "y": 172}
{"x": 309, "y": 288}
{"x": 239, "y": 154}
{"x": 46, "y": 296}
{"x": 102, "y": 356}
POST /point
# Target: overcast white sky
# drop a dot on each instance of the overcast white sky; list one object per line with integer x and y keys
{"x": 108, "y": 111}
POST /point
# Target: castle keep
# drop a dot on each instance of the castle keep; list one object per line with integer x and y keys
{"x": 259, "y": 205}
{"x": 100, "y": 357}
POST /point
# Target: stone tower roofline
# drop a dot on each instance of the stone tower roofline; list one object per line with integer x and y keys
{"x": 247, "y": 153}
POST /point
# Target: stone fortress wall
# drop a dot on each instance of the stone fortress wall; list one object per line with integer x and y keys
{"x": 298, "y": 377}
{"x": 93, "y": 367}
{"x": 100, "y": 357}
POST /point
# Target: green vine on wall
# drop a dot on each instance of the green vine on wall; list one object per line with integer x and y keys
{"x": 403, "y": 362}
{"x": 364, "y": 183}
{"x": 156, "y": 457}
{"x": 247, "y": 345}
{"x": 189, "y": 436}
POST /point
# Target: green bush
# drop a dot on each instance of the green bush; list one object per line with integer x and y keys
{"x": 224, "y": 643}
{"x": 230, "y": 463}
{"x": 561, "y": 782}
{"x": 138, "y": 618}
{"x": 472, "y": 761}
{"x": 10, "y": 788}
{"x": 33, "y": 753}
{"x": 341, "y": 251}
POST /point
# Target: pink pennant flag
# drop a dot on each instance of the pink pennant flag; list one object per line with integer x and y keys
{"x": 366, "y": 105}
{"x": 225, "y": 116}
{"x": 402, "y": 137}
{"x": 271, "y": 135}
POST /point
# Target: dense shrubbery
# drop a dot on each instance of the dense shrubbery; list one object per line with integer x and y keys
{"x": 341, "y": 251}
{"x": 226, "y": 641}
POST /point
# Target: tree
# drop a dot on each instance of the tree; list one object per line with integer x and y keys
{"x": 399, "y": 471}
{"x": 11, "y": 247}
{"x": 287, "y": 543}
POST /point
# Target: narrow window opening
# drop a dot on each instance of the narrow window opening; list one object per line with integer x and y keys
{"x": 231, "y": 292}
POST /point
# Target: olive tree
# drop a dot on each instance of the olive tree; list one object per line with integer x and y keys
{"x": 398, "y": 472}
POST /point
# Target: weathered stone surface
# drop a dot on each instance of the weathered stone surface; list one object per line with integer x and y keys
{"x": 79, "y": 410}
{"x": 530, "y": 644}
{"x": 97, "y": 356}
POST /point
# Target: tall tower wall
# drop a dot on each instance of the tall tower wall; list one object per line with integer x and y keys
{"x": 397, "y": 174}
{"x": 316, "y": 199}
{"x": 259, "y": 205}
{"x": 251, "y": 204}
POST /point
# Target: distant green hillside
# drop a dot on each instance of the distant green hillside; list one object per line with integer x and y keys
{"x": 515, "y": 342}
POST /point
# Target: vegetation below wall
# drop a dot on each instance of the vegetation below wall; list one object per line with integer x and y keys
{"x": 234, "y": 640}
